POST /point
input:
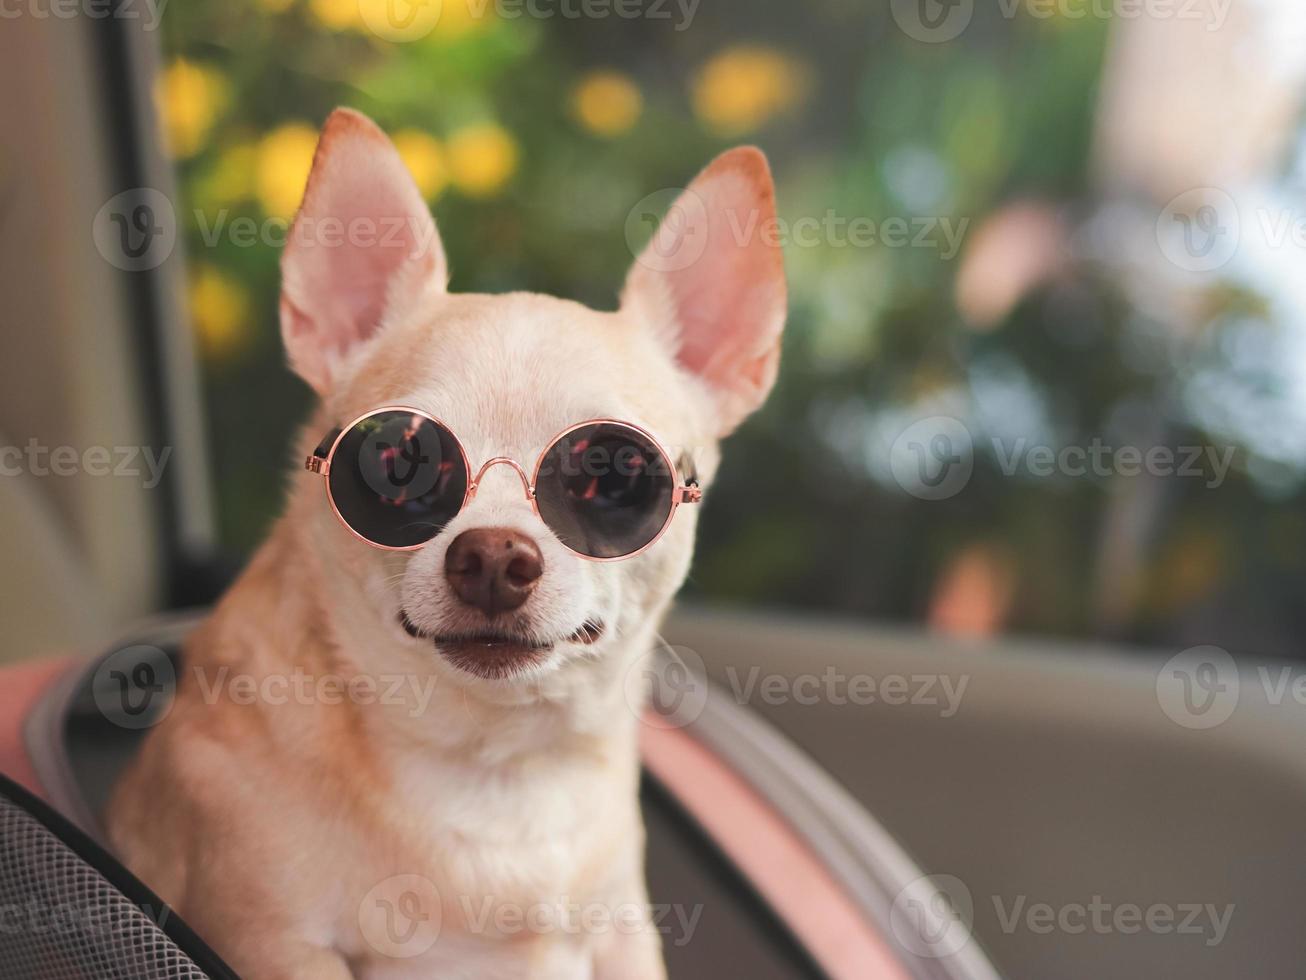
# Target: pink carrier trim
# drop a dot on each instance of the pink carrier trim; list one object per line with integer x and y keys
{"x": 21, "y": 687}
{"x": 775, "y": 859}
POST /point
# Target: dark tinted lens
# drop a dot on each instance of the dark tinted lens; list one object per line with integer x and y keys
{"x": 605, "y": 490}
{"x": 398, "y": 478}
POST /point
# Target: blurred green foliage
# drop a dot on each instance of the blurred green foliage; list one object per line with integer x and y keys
{"x": 859, "y": 120}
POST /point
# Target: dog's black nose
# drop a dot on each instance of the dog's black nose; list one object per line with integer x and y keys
{"x": 494, "y": 569}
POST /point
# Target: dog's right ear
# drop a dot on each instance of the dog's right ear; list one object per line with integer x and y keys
{"x": 362, "y": 246}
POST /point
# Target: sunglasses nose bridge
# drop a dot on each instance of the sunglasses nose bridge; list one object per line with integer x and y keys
{"x": 505, "y": 461}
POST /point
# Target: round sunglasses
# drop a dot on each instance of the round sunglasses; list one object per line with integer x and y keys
{"x": 397, "y": 476}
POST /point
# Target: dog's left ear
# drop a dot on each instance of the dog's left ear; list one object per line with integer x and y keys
{"x": 711, "y": 281}
{"x": 363, "y": 244}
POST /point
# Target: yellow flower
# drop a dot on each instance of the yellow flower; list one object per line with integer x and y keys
{"x": 424, "y": 158}
{"x": 742, "y": 87}
{"x": 220, "y": 312}
{"x": 482, "y": 159}
{"x": 338, "y": 15}
{"x": 188, "y": 98}
{"x": 281, "y": 167}
{"x": 607, "y": 103}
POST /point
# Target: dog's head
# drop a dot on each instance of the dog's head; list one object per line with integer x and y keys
{"x": 495, "y": 597}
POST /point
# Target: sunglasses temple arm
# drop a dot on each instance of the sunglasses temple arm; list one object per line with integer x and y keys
{"x": 317, "y": 462}
{"x": 691, "y": 492}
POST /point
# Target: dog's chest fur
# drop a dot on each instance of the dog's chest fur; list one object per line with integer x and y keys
{"x": 502, "y": 812}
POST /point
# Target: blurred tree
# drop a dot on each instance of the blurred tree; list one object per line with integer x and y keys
{"x": 977, "y": 298}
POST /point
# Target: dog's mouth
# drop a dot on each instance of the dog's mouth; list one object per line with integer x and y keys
{"x": 496, "y": 654}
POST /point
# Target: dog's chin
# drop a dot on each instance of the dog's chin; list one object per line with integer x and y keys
{"x": 499, "y": 655}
